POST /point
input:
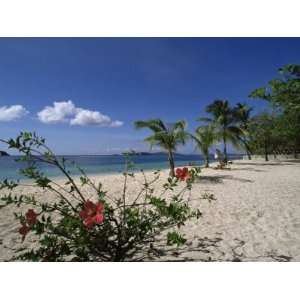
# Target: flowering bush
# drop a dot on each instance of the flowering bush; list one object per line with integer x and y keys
{"x": 75, "y": 227}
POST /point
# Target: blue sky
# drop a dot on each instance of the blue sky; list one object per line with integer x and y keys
{"x": 111, "y": 82}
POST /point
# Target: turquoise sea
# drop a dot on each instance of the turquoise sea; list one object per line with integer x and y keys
{"x": 100, "y": 164}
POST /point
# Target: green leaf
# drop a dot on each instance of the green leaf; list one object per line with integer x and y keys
{"x": 175, "y": 238}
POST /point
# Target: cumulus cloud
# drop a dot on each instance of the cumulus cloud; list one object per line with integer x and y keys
{"x": 11, "y": 113}
{"x": 88, "y": 117}
{"x": 66, "y": 111}
{"x": 58, "y": 113}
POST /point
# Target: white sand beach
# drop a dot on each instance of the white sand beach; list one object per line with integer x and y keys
{"x": 255, "y": 217}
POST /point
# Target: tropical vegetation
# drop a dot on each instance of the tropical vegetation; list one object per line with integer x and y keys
{"x": 204, "y": 138}
{"x": 97, "y": 227}
{"x": 243, "y": 118}
{"x": 274, "y": 131}
{"x": 283, "y": 95}
{"x": 168, "y": 136}
{"x": 223, "y": 119}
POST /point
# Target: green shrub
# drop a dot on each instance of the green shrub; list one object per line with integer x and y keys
{"x": 76, "y": 228}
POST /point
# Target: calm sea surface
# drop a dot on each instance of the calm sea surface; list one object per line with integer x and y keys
{"x": 99, "y": 164}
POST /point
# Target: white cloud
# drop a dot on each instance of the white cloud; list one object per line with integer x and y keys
{"x": 116, "y": 124}
{"x": 66, "y": 111}
{"x": 11, "y": 113}
{"x": 88, "y": 117}
{"x": 58, "y": 113}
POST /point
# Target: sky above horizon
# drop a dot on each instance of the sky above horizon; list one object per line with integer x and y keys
{"x": 83, "y": 94}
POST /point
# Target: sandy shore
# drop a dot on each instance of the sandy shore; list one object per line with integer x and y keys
{"x": 256, "y": 216}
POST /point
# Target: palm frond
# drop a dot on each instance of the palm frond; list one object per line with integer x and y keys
{"x": 153, "y": 124}
{"x": 218, "y": 107}
{"x": 180, "y": 137}
{"x": 205, "y": 137}
{"x": 151, "y": 140}
{"x": 181, "y": 125}
{"x": 167, "y": 136}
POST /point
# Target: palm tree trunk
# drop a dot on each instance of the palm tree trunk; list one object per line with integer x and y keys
{"x": 266, "y": 152}
{"x": 225, "y": 149}
{"x": 249, "y": 155}
{"x": 248, "y": 151}
{"x": 206, "y": 160}
{"x": 171, "y": 163}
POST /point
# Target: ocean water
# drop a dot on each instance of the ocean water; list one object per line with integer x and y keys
{"x": 99, "y": 164}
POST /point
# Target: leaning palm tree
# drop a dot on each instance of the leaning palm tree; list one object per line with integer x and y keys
{"x": 243, "y": 116}
{"x": 166, "y": 136}
{"x": 224, "y": 120}
{"x": 204, "y": 137}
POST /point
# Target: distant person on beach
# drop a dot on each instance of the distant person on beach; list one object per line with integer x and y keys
{"x": 219, "y": 156}
{"x": 216, "y": 155}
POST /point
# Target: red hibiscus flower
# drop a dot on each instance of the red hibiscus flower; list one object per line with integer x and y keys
{"x": 31, "y": 217}
{"x": 24, "y": 230}
{"x": 183, "y": 174}
{"x": 92, "y": 213}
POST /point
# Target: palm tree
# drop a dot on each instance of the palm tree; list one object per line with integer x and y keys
{"x": 243, "y": 116}
{"x": 204, "y": 137}
{"x": 166, "y": 136}
{"x": 224, "y": 121}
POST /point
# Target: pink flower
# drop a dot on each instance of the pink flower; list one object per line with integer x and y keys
{"x": 31, "y": 217}
{"x": 24, "y": 230}
{"x": 92, "y": 213}
{"x": 183, "y": 174}
{"x": 30, "y": 220}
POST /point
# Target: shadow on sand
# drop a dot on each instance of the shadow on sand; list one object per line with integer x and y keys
{"x": 248, "y": 169}
{"x": 220, "y": 179}
{"x": 205, "y": 246}
{"x": 211, "y": 250}
{"x": 271, "y": 163}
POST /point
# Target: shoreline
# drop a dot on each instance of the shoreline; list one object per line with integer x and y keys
{"x": 94, "y": 168}
{"x": 212, "y": 164}
{"x": 96, "y": 175}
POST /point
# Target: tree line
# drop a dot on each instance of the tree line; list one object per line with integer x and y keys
{"x": 275, "y": 131}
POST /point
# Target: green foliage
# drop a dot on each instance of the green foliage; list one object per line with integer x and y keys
{"x": 167, "y": 136}
{"x": 224, "y": 120}
{"x": 243, "y": 118}
{"x": 175, "y": 238}
{"x": 77, "y": 228}
{"x": 283, "y": 94}
{"x": 262, "y": 133}
{"x": 204, "y": 138}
